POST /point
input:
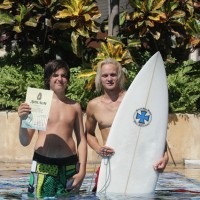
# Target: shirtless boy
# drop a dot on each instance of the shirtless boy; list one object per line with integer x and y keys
{"x": 56, "y": 162}
{"x": 101, "y": 110}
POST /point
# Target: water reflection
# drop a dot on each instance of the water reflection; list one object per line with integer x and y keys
{"x": 172, "y": 184}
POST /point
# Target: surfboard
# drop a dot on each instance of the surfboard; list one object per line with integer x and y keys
{"x": 138, "y": 134}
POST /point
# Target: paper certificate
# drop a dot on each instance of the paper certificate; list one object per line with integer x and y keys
{"x": 40, "y": 102}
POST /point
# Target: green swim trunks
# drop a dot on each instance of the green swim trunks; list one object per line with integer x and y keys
{"x": 51, "y": 177}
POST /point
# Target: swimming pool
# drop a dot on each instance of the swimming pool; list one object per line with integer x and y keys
{"x": 174, "y": 183}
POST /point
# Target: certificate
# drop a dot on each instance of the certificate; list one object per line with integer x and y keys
{"x": 40, "y": 102}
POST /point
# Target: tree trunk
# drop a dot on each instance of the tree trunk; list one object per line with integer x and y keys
{"x": 113, "y": 22}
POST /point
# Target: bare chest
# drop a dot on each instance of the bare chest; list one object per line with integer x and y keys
{"x": 62, "y": 115}
{"x": 105, "y": 114}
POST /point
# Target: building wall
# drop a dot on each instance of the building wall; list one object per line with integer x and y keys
{"x": 183, "y": 137}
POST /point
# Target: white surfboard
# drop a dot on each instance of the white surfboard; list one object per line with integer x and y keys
{"x": 138, "y": 134}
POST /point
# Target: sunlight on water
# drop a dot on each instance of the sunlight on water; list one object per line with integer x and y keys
{"x": 171, "y": 185}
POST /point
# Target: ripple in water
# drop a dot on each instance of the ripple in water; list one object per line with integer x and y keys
{"x": 171, "y": 185}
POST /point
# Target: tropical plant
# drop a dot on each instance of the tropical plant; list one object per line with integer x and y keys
{"x": 14, "y": 83}
{"x": 54, "y": 27}
{"x": 15, "y": 80}
{"x": 76, "y": 91}
{"x": 112, "y": 47}
{"x": 146, "y": 14}
{"x": 161, "y": 26}
{"x": 25, "y": 23}
{"x": 184, "y": 90}
{"x": 80, "y": 16}
{"x": 38, "y": 30}
{"x": 193, "y": 28}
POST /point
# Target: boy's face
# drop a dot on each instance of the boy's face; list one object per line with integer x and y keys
{"x": 58, "y": 80}
{"x": 109, "y": 77}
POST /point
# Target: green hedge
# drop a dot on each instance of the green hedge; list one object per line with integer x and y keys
{"x": 14, "y": 82}
{"x": 183, "y": 84}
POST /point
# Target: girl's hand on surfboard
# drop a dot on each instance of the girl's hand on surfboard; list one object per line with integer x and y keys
{"x": 106, "y": 151}
{"x": 23, "y": 110}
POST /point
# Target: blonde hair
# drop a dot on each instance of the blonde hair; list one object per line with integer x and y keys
{"x": 120, "y": 74}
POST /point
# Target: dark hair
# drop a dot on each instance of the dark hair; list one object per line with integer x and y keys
{"x": 51, "y": 67}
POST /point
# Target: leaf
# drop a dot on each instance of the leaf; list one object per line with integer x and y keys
{"x": 157, "y": 35}
{"x": 173, "y": 5}
{"x": 149, "y": 22}
{"x": 74, "y": 38}
{"x": 158, "y": 4}
{"x": 73, "y": 23}
{"x": 104, "y": 48}
{"x": 31, "y": 22}
{"x": 83, "y": 32}
{"x": 122, "y": 17}
{"x": 149, "y": 5}
{"x": 17, "y": 29}
{"x": 134, "y": 43}
{"x": 86, "y": 73}
{"x": 6, "y": 19}
{"x": 6, "y": 4}
{"x": 114, "y": 40}
{"x": 93, "y": 27}
{"x": 178, "y": 14}
{"x": 63, "y": 14}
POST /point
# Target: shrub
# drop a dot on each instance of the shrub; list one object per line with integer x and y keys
{"x": 14, "y": 82}
{"x": 183, "y": 84}
{"x": 184, "y": 88}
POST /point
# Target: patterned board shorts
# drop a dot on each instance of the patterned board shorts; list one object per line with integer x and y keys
{"x": 51, "y": 179}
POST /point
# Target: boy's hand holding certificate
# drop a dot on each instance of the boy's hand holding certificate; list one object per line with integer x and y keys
{"x": 40, "y": 102}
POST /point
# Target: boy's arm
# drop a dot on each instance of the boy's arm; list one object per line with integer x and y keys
{"x": 25, "y": 135}
{"x": 90, "y": 126}
{"x": 161, "y": 164}
{"x": 81, "y": 141}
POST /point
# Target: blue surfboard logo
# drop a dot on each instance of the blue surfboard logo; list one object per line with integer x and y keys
{"x": 142, "y": 117}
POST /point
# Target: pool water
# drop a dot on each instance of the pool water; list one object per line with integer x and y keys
{"x": 174, "y": 183}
